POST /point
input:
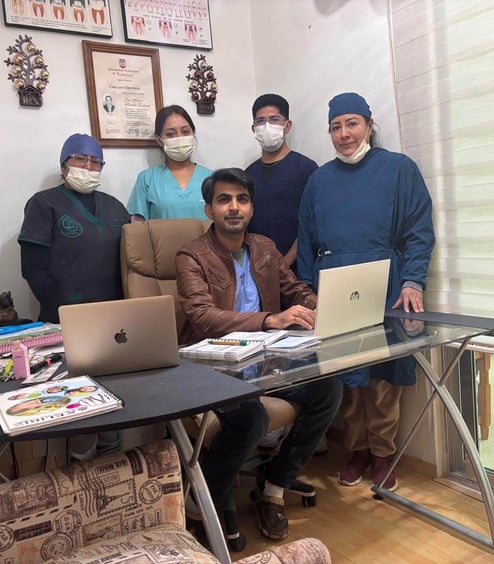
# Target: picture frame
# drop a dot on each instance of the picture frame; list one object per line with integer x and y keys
{"x": 124, "y": 93}
{"x": 87, "y": 17}
{"x": 176, "y": 23}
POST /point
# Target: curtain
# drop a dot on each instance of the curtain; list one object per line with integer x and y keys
{"x": 443, "y": 54}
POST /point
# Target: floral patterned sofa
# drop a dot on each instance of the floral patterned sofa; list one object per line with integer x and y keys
{"x": 122, "y": 507}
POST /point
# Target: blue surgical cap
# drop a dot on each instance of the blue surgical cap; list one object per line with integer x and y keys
{"x": 81, "y": 144}
{"x": 348, "y": 103}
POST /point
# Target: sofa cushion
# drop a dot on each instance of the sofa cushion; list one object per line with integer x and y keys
{"x": 51, "y": 514}
{"x": 166, "y": 543}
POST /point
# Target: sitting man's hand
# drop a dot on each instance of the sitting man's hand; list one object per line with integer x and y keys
{"x": 295, "y": 315}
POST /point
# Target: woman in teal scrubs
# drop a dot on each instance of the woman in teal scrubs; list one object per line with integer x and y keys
{"x": 172, "y": 189}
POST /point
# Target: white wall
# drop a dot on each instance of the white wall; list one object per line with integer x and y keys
{"x": 310, "y": 50}
{"x": 30, "y": 139}
{"x": 306, "y": 50}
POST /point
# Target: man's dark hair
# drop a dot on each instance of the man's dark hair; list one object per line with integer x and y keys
{"x": 233, "y": 175}
{"x": 166, "y": 112}
{"x": 271, "y": 100}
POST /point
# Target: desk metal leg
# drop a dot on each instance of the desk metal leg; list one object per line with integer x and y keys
{"x": 201, "y": 491}
{"x": 439, "y": 387}
{"x": 3, "y": 447}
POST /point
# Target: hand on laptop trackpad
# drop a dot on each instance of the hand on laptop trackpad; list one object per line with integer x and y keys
{"x": 299, "y": 331}
{"x": 296, "y": 327}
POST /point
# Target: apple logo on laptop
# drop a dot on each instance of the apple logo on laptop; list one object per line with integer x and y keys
{"x": 120, "y": 337}
{"x": 355, "y": 296}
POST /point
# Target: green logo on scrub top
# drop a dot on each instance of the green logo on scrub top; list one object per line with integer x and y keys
{"x": 69, "y": 227}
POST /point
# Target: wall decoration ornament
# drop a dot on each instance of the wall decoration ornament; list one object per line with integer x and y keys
{"x": 202, "y": 85}
{"x": 28, "y": 71}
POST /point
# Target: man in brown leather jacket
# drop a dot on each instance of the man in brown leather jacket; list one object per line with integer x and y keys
{"x": 231, "y": 280}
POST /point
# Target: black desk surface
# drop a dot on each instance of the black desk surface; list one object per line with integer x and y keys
{"x": 152, "y": 396}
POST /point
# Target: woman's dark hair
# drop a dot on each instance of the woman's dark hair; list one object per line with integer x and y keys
{"x": 166, "y": 112}
{"x": 375, "y": 138}
{"x": 233, "y": 175}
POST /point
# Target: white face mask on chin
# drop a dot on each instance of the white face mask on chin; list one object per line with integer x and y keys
{"x": 356, "y": 157}
{"x": 179, "y": 148}
{"x": 269, "y": 136}
{"x": 82, "y": 180}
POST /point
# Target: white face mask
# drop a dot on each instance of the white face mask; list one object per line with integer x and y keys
{"x": 269, "y": 136}
{"x": 359, "y": 154}
{"x": 179, "y": 148}
{"x": 82, "y": 180}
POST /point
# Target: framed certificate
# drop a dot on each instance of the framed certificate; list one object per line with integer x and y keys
{"x": 179, "y": 23}
{"x": 124, "y": 93}
{"x": 89, "y": 17}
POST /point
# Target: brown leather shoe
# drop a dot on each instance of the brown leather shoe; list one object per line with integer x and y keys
{"x": 270, "y": 517}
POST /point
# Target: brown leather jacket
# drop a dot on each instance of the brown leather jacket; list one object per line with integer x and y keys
{"x": 206, "y": 284}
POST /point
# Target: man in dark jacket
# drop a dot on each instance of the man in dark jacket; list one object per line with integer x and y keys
{"x": 231, "y": 280}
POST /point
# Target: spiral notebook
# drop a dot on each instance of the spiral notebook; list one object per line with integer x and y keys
{"x": 45, "y": 340}
{"x": 54, "y": 403}
{"x": 233, "y": 347}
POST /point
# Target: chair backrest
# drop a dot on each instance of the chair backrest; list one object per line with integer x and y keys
{"x": 148, "y": 257}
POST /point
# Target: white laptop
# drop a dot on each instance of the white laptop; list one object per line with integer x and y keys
{"x": 119, "y": 336}
{"x": 351, "y": 297}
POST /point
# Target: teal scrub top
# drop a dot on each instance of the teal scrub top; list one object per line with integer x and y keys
{"x": 157, "y": 195}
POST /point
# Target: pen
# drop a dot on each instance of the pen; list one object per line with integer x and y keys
{"x": 46, "y": 362}
{"x": 233, "y": 342}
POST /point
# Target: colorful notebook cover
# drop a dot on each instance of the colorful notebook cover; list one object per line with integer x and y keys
{"x": 54, "y": 403}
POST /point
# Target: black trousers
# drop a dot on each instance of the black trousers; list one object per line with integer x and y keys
{"x": 244, "y": 427}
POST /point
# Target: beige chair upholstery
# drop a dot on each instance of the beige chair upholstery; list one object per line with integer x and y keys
{"x": 148, "y": 257}
{"x": 148, "y": 269}
{"x": 125, "y": 508}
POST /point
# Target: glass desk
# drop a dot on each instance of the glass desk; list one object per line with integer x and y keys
{"x": 400, "y": 335}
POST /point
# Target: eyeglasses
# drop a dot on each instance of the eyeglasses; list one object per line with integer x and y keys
{"x": 273, "y": 120}
{"x": 81, "y": 160}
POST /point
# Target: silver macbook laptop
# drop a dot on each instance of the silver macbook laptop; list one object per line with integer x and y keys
{"x": 351, "y": 297}
{"x": 119, "y": 336}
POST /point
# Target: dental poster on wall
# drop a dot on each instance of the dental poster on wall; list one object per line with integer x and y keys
{"x": 179, "y": 23}
{"x": 88, "y": 17}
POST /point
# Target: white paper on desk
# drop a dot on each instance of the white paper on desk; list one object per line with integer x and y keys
{"x": 293, "y": 343}
{"x": 50, "y": 349}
